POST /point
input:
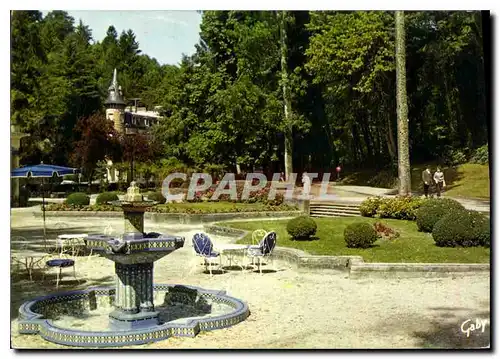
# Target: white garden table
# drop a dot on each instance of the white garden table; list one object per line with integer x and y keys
{"x": 230, "y": 250}
{"x": 63, "y": 238}
{"x": 28, "y": 258}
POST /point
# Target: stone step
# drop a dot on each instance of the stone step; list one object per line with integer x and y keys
{"x": 331, "y": 215}
{"x": 334, "y": 212}
{"x": 340, "y": 210}
{"x": 339, "y": 204}
{"x": 336, "y": 208}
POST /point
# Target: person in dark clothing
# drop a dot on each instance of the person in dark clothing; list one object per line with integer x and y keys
{"x": 427, "y": 180}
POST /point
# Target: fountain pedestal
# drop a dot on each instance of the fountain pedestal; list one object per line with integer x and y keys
{"x": 133, "y": 297}
{"x": 134, "y": 256}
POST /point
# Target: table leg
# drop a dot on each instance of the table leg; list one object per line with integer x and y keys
{"x": 29, "y": 263}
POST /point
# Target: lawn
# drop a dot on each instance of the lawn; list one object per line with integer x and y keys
{"x": 411, "y": 246}
{"x": 467, "y": 180}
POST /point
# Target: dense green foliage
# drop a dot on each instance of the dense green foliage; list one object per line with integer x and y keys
{"x": 77, "y": 199}
{"x": 301, "y": 227}
{"x": 156, "y": 196}
{"x": 224, "y": 105}
{"x": 433, "y": 210}
{"x": 360, "y": 235}
{"x": 462, "y": 228}
{"x": 399, "y": 207}
{"x": 104, "y": 198}
{"x": 481, "y": 156}
{"x": 369, "y": 207}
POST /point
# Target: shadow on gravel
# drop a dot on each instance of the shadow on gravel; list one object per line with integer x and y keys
{"x": 457, "y": 328}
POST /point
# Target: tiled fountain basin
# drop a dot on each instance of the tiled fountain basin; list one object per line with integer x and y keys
{"x": 81, "y": 318}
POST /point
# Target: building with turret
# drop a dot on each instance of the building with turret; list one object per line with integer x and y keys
{"x": 128, "y": 119}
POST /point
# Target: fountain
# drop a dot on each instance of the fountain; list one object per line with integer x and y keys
{"x": 134, "y": 318}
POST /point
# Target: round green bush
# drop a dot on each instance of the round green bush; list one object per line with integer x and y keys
{"x": 78, "y": 199}
{"x": 461, "y": 228}
{"x": 157, "y": 197}
{"x": 106, "y": 197}
{"x": 301, "y": 227}
{"x": 481, "y": 228}
{"x": 432, "y": 210}
{"x": 360, "y": 235}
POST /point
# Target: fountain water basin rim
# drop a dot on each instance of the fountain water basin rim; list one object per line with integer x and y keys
{"x": 32, "y": 322}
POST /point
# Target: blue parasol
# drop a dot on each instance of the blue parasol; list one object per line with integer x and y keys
{"x": 42, "y": 171}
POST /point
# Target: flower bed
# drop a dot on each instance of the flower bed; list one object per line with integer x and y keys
{"x": 192, "y": 207}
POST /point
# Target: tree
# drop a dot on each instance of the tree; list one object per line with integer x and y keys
{"x": 27, "y": 58}
{"x": 137, "y": 147}
{"x": 287, "y": 101}
{"x": 404, "y": 171}
{"x": 97, "y": 139}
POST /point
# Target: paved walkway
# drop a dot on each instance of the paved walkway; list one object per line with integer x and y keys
{"x": 357, "y": 194}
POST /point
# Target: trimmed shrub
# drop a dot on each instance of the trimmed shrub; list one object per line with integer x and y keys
{"x": 78, "y": 199}
{"x": 481, "y": 228}
{"x": 106, "y": 197}
{"x": 360, "y": 235}
{"x": 399, "y": 207}
{"x": 461, "y": 228}
{"x": 157, "y": 197}
{"x": 369, "y": 206}
{"x": 432, "y": 210}
{"x": 301, "y": 227}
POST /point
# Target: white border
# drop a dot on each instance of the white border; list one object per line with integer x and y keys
{"x": 183, "y": 5}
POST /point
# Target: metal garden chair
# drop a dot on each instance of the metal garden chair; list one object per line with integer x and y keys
{"x": 203, "y": 247}
{"x": 263, "y": 249}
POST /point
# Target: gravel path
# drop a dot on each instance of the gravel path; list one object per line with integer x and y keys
{"x": 291, "y": 309}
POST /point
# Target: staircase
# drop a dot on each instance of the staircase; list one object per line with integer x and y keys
{"x": 334, "y": 209}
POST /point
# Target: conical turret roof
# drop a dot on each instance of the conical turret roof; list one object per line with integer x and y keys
{"x": 115, "y": 96}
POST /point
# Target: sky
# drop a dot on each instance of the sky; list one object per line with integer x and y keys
{"x": 162, "y": 34}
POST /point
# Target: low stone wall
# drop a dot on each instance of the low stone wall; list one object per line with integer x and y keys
{"x": 224, "y": 231}
{"x": 360, "y": 269}
{"x": 177, "y": 218}
{"x": 355, "y": 265}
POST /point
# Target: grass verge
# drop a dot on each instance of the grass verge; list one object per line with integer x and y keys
{"x": 411, "y": 247}
{"x": 466, "y": 180}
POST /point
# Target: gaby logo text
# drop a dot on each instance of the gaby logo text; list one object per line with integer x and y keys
{"x": 469, "y": 326}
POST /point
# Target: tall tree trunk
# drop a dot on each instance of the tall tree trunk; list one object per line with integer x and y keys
{"x": 404, "y": 173}
{"x": 287, "y": 100}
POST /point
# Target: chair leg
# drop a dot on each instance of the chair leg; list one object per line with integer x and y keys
{"x": 74, "y": 274}
{"x": 260, "y": 265}
{"x": 58, "y": 277}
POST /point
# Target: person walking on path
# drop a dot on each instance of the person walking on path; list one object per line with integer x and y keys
{"x": 440, "y": 182}
{"x": 427, "y": 179}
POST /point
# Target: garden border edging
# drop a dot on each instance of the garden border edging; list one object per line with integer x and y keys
{"x": 356, "y": 265}
{"x": 177, "y": 218}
